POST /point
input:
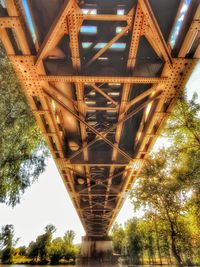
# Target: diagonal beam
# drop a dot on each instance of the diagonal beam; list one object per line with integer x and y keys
{"x": 150, "y": 36}
{"x": 146, "y": 8}
{"x": 54, "y": 90}
{"x": 111, "y": 177}
{"x": 191, "y": 36}
{"x": 55, "y": 33}
{"x": 135, "y": 111}
{"x": 106, "y": 47}
{"x": 140, "y": 97}
{"x": 20, "y": 33}
{"x": 6, "y": 42}
{"x": 100, "y": 91}
{"x": 100, "y": 135}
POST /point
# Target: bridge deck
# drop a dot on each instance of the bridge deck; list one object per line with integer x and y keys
{"x": 101, "y": 78}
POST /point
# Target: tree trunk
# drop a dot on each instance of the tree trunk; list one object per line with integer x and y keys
{"x": 169, "y": 253}
{"x": 175, "y": 250}
{"x": 157, "y": 240}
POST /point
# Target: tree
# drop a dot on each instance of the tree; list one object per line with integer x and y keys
{"x": 118, "y": 238}
{"x": 7, "y": 243}
{"x": 70, "y": 251}
{"x": 183, "y": 129}
{"x": 171, "y": 175}
{"x": 63, "y": 248}
{"x": 133, "y": 239}
{"x": 56, "y": 250}
{"x": 69, "y": 237}
{"x": 33, "y": 251}
{"x": 22, "y": 251}
{"x": 39, "y": 250}
{"x": 43, "y": 242}
{"x": 44, "y": 249}
{"x": 23, "y": 153}
{"x": 159, "y": 190}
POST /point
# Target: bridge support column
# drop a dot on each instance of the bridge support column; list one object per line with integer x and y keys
{"x": 97, "y": 248}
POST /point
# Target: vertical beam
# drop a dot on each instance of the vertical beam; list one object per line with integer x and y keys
{"x": 137, "y": 31}
{"x": 135, "y": 37}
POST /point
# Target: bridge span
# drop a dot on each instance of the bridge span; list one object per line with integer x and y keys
{"x": 101, "y": 78}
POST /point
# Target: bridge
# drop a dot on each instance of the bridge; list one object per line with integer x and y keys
{"x": 101, "y": 77}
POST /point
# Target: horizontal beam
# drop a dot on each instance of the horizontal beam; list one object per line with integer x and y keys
{"x": 97, "y": 195}
{"x": 101, "y": 108}
{"x": 102, "y": 79}
{"x": 105, "y": 17}
{"x": 96, "y": 164}
{"x": 9, "y": 22}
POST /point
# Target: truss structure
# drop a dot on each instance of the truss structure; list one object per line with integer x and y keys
{"x": 101, "y": 79}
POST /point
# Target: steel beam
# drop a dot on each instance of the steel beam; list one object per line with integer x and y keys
{"x": 100, "y": 79}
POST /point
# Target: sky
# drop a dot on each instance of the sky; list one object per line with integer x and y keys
{"x": 47, "y": 200}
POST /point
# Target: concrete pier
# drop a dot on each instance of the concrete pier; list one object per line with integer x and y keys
{"x": 95, "y": 248}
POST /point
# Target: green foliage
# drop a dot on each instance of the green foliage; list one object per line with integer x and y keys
{"x": 134, "y": 245}
{"x": 23, "y": 153}
{"x": 183, "y": 127}
{"x": 33, "y": 251}
{"x": 70, "y": 251}
{"x": 40, "y": 248}
{"x": 118, "y": 236}
{"x": 7, "y": 255}
{"x": 22, "y": 251}
{"x": 44, "y": 249}
{"x": 168, "y": 193}
{"x": 69, "y": 237}
{"x": 170, "y": 175}
{"x": 56, "y": 250}
{"x": 7, "y": 243}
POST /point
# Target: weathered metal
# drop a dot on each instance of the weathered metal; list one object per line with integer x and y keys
{"x": 101, "y": 79}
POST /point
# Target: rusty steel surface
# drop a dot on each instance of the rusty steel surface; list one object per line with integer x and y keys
{"x": 101, "y": 78}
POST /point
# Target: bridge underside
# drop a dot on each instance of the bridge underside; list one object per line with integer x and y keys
{"x": 101, "y": 78}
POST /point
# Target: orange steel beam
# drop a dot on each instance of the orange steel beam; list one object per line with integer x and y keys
{"x": 108, "y": 45}
{"x": 30, "y": 70}
{"x": 101, "y": 136}
{"x": 105, "y": 17}
{"x": 122, "y": 120}
{"x": 58, "y": 29}
{"x": 102, "y": 79}
{"x": 148, "y": 13}
{"x": 100, "y": 91}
